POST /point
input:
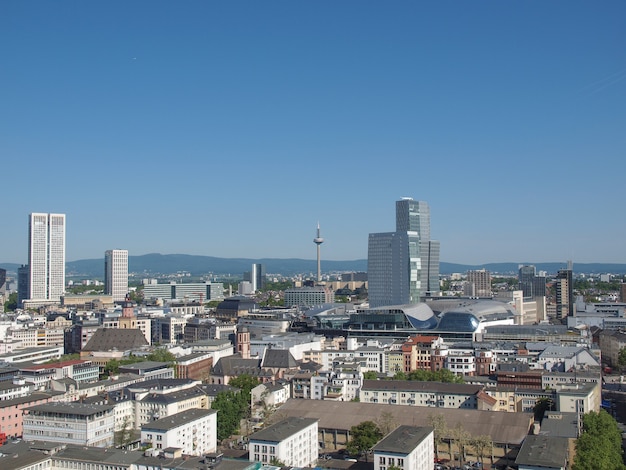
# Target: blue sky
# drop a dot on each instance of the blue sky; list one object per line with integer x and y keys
{"x": 230, "y": 129}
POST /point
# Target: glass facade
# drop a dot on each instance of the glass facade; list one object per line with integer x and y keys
{"x": 403, "y": 266}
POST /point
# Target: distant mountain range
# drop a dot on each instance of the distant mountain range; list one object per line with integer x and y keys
{"x": 154, "y": 264}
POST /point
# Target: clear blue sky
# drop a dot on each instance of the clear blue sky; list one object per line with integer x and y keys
{"x": 231, "y": 128}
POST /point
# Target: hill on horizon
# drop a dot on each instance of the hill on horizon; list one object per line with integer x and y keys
{"x": 154, "y": 264}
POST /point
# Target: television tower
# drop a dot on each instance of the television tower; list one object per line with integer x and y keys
{"x": 318, "y": 241}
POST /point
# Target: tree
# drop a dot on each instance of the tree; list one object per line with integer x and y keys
{"x": 245, "y": 383}
{"x": 363, "y": 437}
{"x": 230, "y": 409}
{"x": 461, "y": 439}
{"x": 125, "y": 434}
{"x": 441, "y": 375}
{"x": 161, "y": 355}
{"x": 112, "y": 367}
{"x": 11, "y": 304}
{"x": 483, "y": 445}
{"x": 400, "y": 376}
{"x": 386, "y": 422}
{"x": 541, "y": 406}
{"x": 621, "y": 358}
{"x": 370, "y": 375}
{"x": 599, "y": 447}
{"x": 440, "y": 430}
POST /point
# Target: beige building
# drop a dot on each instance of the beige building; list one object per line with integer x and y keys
{"x": 611, "y": 342}
{"x": 421, "y": 394}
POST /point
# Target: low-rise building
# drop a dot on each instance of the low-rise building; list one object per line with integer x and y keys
{"x": 193, "y": 431}
{"x": 405, "y": 448}
{"x": 195, "y": 366}
{"x": 292, "y": 442}
{"x": 149, "y": 369}
{"x": 426, "y": 394}
{"x": 11, "y": 412}
{"x": 544, "y": 452}
{"x": 15, "y": 388}
{"x": 157, "y": 399}
{"x": 70, "y": 423}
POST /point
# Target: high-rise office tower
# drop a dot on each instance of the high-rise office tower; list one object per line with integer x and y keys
{"x": 414, "y": 216}
{"x": 256, "y": 277}
{"x": 531, "y": 284}
{"x": 479, "y": 283}
{"x": 564, "y": 292}
{"x": 403, "y": 265}
{"x": 46, "y": 256}
{"x": 526, "y": 276}
{"x": 3, "y": 281}
{"x": 116, "y": 274}
{"x": 393, "y": 269}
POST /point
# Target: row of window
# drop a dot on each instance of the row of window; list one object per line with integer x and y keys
{"x": 391, "y": 461}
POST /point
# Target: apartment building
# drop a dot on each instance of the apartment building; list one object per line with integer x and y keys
{"x": 193, "y": 431}
{"x": 292, "y": 441}
{"x": 11, "y": 412}
{"x": 405, "y": 448}
{"x": 421, "y": 394}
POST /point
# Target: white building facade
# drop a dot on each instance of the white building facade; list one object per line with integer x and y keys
{"x": 70, "y": 423}
{"x": 193, "y": 431}
{"x": 292, "y": 442}
{"x": 406, "y": 448}
{"x": 46, "y": 256}
{"x": 116, "y": 274}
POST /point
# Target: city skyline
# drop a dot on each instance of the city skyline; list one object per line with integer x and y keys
{"x": 506, "y": 117}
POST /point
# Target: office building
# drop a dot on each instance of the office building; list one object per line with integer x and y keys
{"x": 188, "y": 291}
{"x": 70, "y": 423}
{"x": 46, "y": 256}
{"x": 309, "y": 296}
{"x": 564, "y": 292}
{"x": 526, "y": 275}
{"x": 258, "y": 277}
{"x": 478, "y": 283}
{"x": 116, "y": 274}
{"x": 414, "y": 216}
{"x": 22, "y": 284}
{"x": 403, "y": 266}
{"x": 531, "y": 284}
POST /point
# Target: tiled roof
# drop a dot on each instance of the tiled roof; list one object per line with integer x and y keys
{"x": 111, "y": 339}
{"x": 279, "y": 358}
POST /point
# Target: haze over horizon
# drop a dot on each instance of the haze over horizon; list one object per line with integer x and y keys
{"x": 232, "y": 129}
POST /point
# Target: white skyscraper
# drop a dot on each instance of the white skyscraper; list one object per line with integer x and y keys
{"x": 46, "y": 256}
{"x": 116, "y": 274}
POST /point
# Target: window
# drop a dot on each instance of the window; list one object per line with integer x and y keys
{"x": 381, "y": 460}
